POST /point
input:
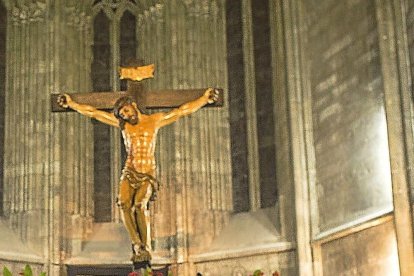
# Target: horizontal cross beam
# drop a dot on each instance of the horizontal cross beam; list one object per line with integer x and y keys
{"x": 99, "y": 100}
{"x": 167, "y": 98}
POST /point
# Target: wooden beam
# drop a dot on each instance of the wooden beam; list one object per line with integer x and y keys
{"x": 100, "y": 100}
{"x": 168, "y": 98}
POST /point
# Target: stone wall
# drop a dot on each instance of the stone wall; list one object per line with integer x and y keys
{"x": 351, "y": 161}
{"x": 377, "y": 256}
{"x": 352, "y": 136}
{"x": 47, "y": 154}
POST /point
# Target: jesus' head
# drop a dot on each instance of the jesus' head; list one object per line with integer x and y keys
{"x": 126, "y": 110}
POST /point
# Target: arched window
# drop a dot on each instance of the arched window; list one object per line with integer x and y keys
{"x": 3, "y": 33}
{"x": 252, "y": 126}
{"x": 114, "y": 44}
{"x": 264, "y": 103}
{"x": 237, "y": 91}
{"x": 101, "y": 77}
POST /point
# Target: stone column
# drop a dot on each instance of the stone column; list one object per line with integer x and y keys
{"x": 75, "y": 67}
{"x": 47, "y": 168}
{"x": 26, "y": 179}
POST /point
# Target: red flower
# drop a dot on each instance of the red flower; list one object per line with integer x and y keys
{"x": 134, "y": 273}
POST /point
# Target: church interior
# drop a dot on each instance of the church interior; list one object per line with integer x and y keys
{"x": 306, "y": 169}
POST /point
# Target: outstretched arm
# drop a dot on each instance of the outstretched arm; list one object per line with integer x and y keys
{"x": 209, "y": 96}
{"x": 87, "y": 110}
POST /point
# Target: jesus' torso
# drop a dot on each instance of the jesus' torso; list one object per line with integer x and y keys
{"x": 139, "y": 143}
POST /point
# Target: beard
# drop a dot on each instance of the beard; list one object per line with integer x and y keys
{"x": 132, "y": 120}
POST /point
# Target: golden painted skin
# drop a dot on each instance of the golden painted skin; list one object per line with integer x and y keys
{"x": 139, "y": 132}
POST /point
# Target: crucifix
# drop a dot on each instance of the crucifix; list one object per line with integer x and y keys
{"x": 138, "y": 183}
{"x": 163, "y": 98}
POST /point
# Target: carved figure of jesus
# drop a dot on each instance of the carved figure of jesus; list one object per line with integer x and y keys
{"x": 138, "y": 184}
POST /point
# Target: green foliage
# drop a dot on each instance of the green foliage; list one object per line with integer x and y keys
{"x": 26, "y": 272}
{"x": 148, "y": 272}
{"x": 258, "y": 273}
{"x": 6, "y": 272}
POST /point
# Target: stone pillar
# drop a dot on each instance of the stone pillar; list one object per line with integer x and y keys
{"x": 47, "y": 168}
{"x": 77, "y": 141}
{"x": 27, "y": 163}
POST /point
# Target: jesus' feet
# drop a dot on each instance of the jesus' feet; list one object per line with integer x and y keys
{"x": 140, "y": 253}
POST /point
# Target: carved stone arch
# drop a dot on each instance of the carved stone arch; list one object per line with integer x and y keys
{"x": 114, "y": 8}
{"x": 127, "y": 6}
{"x": 26, "y": 11}
{"x": 97, "y": 8}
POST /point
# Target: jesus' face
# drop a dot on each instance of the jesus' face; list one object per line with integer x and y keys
{"x": 129, "y": 113}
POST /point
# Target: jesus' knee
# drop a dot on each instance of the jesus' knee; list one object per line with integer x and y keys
{"x": 141, "y": 205}
{"x": 125, "y": 196}
{"x": 142, "y": 197}
{"x": 124, "y": 204}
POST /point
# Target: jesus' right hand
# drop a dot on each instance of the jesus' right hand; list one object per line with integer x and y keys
{"x": 64, "y": 100}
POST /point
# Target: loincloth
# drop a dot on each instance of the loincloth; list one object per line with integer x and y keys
{"x": 136, "y": 179}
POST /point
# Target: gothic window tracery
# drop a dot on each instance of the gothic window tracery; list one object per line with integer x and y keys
{"x": 114, "y": 43}
{"x": 101, "y": 76}
{"x": 252, "y": 126}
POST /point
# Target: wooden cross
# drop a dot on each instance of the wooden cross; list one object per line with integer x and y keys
{"x": 165, "y": 98}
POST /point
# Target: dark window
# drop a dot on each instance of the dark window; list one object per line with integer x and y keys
{"x": 235, "y": 67}
{"x": 128, "y": 42}
{"x": 128, "y": 48}
{"x": 3, "y": 33}
{"x": 101, "y": 74}
{"x": 264, "y": 102}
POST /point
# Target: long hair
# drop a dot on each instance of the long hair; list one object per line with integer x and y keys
{"x": 119, "y": 104}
